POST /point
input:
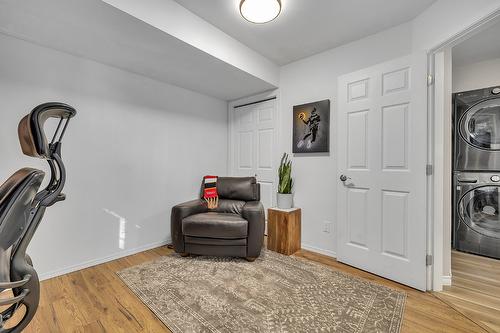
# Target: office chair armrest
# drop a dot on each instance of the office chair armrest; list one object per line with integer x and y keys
{"x": 253, "y": 212}
{"x": 179, "y": 212}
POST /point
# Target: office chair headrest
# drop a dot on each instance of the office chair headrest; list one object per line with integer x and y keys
{"x": 31, "y": 133}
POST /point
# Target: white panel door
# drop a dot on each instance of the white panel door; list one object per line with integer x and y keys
{"x": 254, "y": 142}
{"x": 382, "y": 140}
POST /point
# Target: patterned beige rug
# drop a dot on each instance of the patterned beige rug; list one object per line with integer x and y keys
{"x": 275, "y": 293}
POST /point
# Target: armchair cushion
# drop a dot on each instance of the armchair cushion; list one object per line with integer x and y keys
{"x": 216, "y": 241}
{"x": 215, "y": 225}
{"x": 230, "y": 206}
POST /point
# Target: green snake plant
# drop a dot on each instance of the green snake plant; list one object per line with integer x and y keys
{"x": 285, "y": 175}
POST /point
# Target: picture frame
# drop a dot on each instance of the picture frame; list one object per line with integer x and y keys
{"x": 311, "y": 127}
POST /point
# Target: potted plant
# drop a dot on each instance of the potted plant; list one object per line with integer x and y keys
{"x": 285, "y": 196}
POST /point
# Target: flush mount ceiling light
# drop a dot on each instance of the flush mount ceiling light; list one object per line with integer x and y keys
{"x": 260, "y": 11}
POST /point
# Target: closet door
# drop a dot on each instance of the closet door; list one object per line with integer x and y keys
{"x": 254, "y": 146}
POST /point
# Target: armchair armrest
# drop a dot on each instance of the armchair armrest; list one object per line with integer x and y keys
{"x": 179, "y": 212}
{"x": 253, "y": 212}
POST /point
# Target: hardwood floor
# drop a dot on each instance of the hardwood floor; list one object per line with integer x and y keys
{"x": 95, "y": 300}
{"x": 475, "y": 289}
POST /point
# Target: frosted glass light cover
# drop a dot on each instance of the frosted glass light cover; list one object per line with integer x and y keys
{"x": 260, "y": 11}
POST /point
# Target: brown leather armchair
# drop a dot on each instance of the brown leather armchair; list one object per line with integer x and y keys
{"x": 235, "y": 228}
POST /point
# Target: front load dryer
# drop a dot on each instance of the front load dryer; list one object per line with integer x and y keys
{"x": 477, "y": 130}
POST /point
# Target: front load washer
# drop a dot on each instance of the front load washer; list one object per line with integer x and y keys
{"x": 477, "y": 130}
{"x": 477, "y": 213}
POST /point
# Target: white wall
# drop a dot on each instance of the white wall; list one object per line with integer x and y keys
{"x": 135, "y": 148}
{"x": 313, "y": 79}
{"x": 477, "y": 75}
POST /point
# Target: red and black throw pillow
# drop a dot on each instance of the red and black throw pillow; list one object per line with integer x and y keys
{"x": 210, "y": 191}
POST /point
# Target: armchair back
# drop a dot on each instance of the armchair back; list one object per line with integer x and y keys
{"x": 238, "y": 188}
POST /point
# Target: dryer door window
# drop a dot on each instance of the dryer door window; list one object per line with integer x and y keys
{"x": 479, "y": 210}
{"x": 480, "y": 125}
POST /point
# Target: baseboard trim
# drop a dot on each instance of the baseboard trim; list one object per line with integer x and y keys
{"x": 311, "y": 248}
{"x": 98, "y": 261}
{"x": 446, "y": 280}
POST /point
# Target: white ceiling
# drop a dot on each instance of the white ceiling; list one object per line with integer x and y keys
{"x": 307, "y": 27}
{"x": 482, "y": 46}
{"x": 95, "y": 30}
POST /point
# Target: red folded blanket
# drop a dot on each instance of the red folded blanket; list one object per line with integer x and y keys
{"x": 210, "y": 191}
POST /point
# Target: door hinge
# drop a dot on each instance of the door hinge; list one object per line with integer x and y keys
{"x": 429, "y": 260}
{"x": 430, "y": 80}
{"x": 429, "y": 169}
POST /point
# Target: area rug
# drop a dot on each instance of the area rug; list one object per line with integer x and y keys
{"x": 275, "y": 293}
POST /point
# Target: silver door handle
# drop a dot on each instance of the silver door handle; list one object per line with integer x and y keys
{"x": 344, "y": 178}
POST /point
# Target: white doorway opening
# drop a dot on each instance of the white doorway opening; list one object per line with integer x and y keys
{"x": 440, "y": 69}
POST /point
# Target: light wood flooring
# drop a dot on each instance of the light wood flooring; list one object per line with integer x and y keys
{"x": 475, "y": 289}
{"x": 95, "y": 300}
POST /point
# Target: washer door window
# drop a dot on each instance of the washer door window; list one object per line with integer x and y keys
{"x": 480, "y": 125}
{"x": 479, "y": 210}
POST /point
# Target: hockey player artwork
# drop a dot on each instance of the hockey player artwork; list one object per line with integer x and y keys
{"x": 311, "y": 127}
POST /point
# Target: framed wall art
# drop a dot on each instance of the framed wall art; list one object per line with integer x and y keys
{"x": 311, "y": 127}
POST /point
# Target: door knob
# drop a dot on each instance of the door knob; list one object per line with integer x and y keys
{"x": 344, "y": 178}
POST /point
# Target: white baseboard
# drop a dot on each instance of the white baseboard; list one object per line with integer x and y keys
{"x": 311, "y": 248}
{"x": 94, "y": 262}
{"x": 446, "y": 280}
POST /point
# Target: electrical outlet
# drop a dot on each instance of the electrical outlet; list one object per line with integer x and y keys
{"x": 327, "y": 227}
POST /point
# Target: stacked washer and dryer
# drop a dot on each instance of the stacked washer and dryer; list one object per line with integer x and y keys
{"x": 476, "y": 172}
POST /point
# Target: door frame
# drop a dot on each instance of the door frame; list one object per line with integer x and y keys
{"x": 440, "y": 142}
{"x": 275, "y": 93}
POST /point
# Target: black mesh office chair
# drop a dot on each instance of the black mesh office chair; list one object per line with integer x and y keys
{"x": 21, "y": 209}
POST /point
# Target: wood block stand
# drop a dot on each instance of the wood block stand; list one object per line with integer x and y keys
{"x": 283, "y": 230}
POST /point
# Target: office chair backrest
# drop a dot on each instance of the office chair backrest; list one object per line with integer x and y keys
{"x": 16, "y": 197}
{"x": 22, "y": 206}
